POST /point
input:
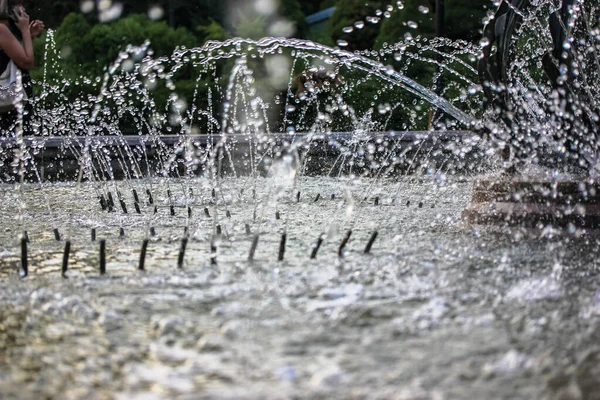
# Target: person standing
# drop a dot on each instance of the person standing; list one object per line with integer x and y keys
{"x": 16, "y": 45}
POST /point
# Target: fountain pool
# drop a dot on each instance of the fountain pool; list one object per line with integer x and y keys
{"x": 204, "y": 257}
{"x": 436, "y": 310}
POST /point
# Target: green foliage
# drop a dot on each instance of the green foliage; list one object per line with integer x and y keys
{"x": 313, "y": 6}
{"x": 251, "y": 26}
{"x": 212, "y": 31}
{"x": 321, "y": 36}
{"x": 395, "y": 28}
{"x": 464, "y": 19}
{"x": 291, "y": 10}
{"x": 88, "y": 48}
{"x": 86, "y": 51}
{"x": 184, "y": 13}
{"x": 348, "y": 12}
{"x": 246, "y": 20}
{"x": 92, "y": 48}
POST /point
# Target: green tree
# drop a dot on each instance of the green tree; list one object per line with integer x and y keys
{"x": 212, "y": 31}
{"x": 245, "y": 18}
{"x": 291, "y": 10}
{"x": 417, "y": 18}
{"x": 86, "y": 51}
{"x": 94, "y": 47}
{"x": 346, "y": 14}
{"x": 313, "y": 6}
{"x": 251, "y": 26}
{"x": 464, "y": 19}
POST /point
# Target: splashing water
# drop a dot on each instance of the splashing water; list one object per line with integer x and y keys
{"x": 299, "y": 188}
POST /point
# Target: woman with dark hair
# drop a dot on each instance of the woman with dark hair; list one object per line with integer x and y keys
{"x": 16, "y": 45}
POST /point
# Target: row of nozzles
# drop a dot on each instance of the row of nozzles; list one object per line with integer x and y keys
{"x": 24, "y": 272}
{"x": 108, "y": 203}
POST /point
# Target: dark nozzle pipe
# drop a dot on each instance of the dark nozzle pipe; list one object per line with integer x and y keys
{"x": 123, "y": 206}
{"x": 102, "y": 256}
{"x": 24, "y": 262}
{"x": 213, "y": 252}
{"x": 189, "y": 212}
{"x": 65, "y": 261}
{"x": 111, "y": 202}
{"x": 137, "y": 208}
{"x": 181, "y": 256}
{"x": 172, "y": 210}
{"x": 206, "y": 212}
{"x": 93, "y": 234}
{"x": 228, "y": 214}
{"x": 277, "y": 215}
{"x": 253, "y": 247}
{"x": 121, "y": 233}
{"x": 56, "y": 234}
{"x": 103, "y": 204}
{"x": 298, "y": 197}
{"x": 150, "y": 198}
{"x": 152, "y": 231}
{"x": 344, "y": 243}
{"x": 136, "y": 198}
{"x": 248, "y": 231}
{"x": 219, "y": 230}
{"x": 376, "y": 201}
{"x": 316, "y": 247}
{"x": 371, "y": 241}
{"x": 318, "y": 197}
{"x": 142, "y": 264}
{"x": 282, "y": 247}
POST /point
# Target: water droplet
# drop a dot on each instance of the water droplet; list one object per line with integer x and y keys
{"x": 342, "y": 43}
{"x": 359, "y": 24}
{"x": 348, "y": 29}
{"x": 424, "y": 10}
{"x": 155, "y": 12}
{"x": 86, "y": 6}
{"x": 412, "y": 24}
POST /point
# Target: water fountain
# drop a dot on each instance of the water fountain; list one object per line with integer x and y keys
{"x": 241, "y": 263}
{"x": 549, "y": 196}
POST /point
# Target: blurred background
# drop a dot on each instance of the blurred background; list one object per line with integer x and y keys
{"x": 89, "y": 34}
